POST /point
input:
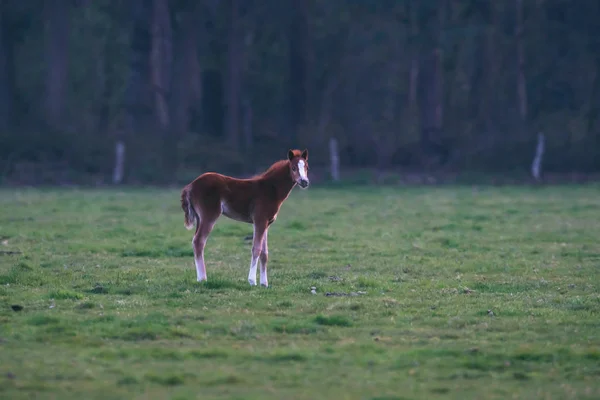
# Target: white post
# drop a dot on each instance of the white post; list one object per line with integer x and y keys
{"x": 119, "y": 162}
{"x": 536, "y": 166}
{"x": 335, "y": 159}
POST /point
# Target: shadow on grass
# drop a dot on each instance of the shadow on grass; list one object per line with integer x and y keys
{"x": 219, "y": 283}
{"x": 171, "y": 251}
{"x": 282, "y": 357}
{"x": 334, "y": 320}
{"x": 174, "y": 290}
{"x": 166, "y": 380}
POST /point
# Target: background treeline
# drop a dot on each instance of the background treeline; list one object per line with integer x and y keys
{"x": 230, "y": 85}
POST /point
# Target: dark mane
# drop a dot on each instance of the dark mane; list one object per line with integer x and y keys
{"x": 274, "y": 169}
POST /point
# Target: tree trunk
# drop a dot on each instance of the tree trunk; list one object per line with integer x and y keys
{"x": 413, "y": 79}
{"x": 433, "y": 103}
{"x": 594, "y": 102}
{"x": 326, "y": 105}
{"x": 186, "y": 72}
{"x": 7, "y": 72}
{"x": 56, "y": 16}
{"x": 439, "y": 68}
{"x": 387, "y": 137}
{"x": 298, "y": 72}
{"x": 247, "y": 116}
{"x": 476, "y": 93}
{"x": 136, "y": 89}
{"x": 104, "y": 109}
{"x": 413, "y": 82}
{"x": 593, "y": 127}
{"x": 521, "y": 81}
{"x": 160, "y": 60}
{"x": 136, "y": 94}
{"x": 491, "y": 70}
{"x": 233, "y": 82}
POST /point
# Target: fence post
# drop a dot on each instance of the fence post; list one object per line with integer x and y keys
{"x": 119, "y": 162}
{"x": 335, "y": 159}
{"x": 536, "y": 165}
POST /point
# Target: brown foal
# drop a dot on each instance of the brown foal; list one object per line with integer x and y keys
{"x": 256, "y": 201}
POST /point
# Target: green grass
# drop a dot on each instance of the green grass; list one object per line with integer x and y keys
{"x": 453, "y": 292}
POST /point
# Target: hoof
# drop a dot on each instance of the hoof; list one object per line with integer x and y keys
{"x": 266, "y": 285}
{"x": 252, "y": 282}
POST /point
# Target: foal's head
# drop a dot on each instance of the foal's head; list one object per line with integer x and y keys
{"x": 299, "y": 167}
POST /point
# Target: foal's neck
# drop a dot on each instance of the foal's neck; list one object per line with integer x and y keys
{"x": 280, "y": 178}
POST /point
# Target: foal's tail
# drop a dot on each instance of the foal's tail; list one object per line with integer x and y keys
{"x": 188, "y": 208}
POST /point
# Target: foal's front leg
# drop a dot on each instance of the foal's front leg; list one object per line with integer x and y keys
{"x": 259, "y": 232}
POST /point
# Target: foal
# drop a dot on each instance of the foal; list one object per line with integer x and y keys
{"x": 256, "y": 201}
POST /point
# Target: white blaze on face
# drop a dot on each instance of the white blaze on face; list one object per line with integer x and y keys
{"x": 302, "y": 170}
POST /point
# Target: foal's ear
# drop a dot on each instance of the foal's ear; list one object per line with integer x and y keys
{"x": 290, "y": 154}
{"x": 305, "y": 154}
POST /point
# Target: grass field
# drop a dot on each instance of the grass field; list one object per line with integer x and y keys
{"x": 453, "y": 292}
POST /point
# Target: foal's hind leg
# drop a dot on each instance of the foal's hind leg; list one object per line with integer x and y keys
{"x": 257, "y": 242}
{"x": 203, "y": 230}
{"x": 264, "y": 258}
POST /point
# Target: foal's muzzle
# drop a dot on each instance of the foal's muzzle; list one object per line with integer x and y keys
{"x": 303, "y": 183}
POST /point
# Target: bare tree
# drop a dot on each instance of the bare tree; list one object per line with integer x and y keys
{"x": 136, "y": 88}
{"x": 186, "y": 70}
{"x": 299, "y": 43}
{"x": 160, "y": 60}
{"x": 593, "y": 130}
{"x": 413, "y": 80}
{"x": 233, "y": 77}
{"x": 6, "y": 71}
{"x": 521, "y": 80}
{"x": 491, "y": 66}
{"x": 56, "y": 18}
{"x": 386, "y": 139}
{"x": 433, "y": 81}
{"x": 439, "y": 69}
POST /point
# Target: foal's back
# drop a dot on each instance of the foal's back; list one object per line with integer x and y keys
{"x": 217, "y": 194}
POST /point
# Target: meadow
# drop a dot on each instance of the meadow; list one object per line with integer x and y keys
{"x": 452, "y": 292}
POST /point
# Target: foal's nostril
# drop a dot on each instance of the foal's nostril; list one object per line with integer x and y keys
{"x": 304, "y": 183}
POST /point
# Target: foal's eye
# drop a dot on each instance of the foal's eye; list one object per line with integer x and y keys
{"x": 294, "y": 169}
